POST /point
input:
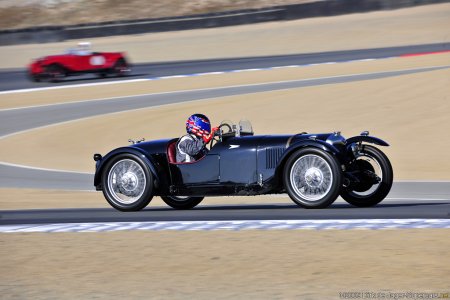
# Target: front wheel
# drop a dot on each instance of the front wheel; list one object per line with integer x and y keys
{"x": 127, "y": 183}
{"x": 121, "y": 68}
{"x": 374, "y": 173}
{"x": 312, "y": 178}
{"x": 179, "y": 202}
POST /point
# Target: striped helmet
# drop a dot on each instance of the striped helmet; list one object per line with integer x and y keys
{"x": 198, "y": 124}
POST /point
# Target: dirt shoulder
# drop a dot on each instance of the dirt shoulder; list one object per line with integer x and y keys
{"x": 299, "y": 264}
{"x": 32, "y": 13}
{"x": 410, "y": 26}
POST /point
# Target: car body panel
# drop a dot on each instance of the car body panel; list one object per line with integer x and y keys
{"x": 188, "y": 173}
{"x": 242, "y": 152}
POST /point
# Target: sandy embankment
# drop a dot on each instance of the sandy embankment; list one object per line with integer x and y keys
{"x": 223, "y": 265}
{"x": 410, "y": 26}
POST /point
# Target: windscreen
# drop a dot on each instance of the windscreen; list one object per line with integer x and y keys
{"x": 246, "y": 127}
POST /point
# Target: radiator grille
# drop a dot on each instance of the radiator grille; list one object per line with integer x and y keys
{"x": 272, "y": 157}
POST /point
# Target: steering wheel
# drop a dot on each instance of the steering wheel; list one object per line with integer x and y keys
{"x": 218, "y": 133}
{"x": 226, "y": 125}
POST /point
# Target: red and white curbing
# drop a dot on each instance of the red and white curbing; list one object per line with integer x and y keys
{"x": 372, "y": 224}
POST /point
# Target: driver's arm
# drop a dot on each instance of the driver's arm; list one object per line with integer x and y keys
{"x": 191, "y": 146}
{"x": 207, "y": 137}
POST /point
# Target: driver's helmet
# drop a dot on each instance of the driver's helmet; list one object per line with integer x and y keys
{"x": 198, "y": 125}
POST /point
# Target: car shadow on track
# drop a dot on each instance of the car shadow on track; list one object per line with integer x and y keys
{"x": 338, "y": 206}
{"x": 294, "y": 206}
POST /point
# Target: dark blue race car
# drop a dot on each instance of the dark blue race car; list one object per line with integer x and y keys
{"x": 314, "y": 169}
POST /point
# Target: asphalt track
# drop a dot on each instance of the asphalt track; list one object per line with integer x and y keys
{"x": 17, "y": 79}
{"x": 407, "y": 199}
{"x": 405, "y": 209}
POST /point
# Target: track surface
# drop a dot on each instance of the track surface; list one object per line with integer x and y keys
{"x": 407, "y": 200}
{"x": 17, "y": 79}
{"x": 389, "y": 209}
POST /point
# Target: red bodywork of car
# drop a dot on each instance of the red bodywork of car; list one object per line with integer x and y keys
{"x": 75, "y": 63}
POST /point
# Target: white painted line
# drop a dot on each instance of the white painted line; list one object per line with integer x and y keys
{"x": 173, "y": 76}
{"x": 371, "y": 224}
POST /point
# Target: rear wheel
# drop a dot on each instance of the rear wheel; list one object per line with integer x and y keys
{"x": 374, "y": 174}
{"x": 55, "y": 72}
{"x": 127, "y": 183}
{"x": 312, "y": 178}
{"x": 34, "y": 77}
{"x": 180, "y": 202}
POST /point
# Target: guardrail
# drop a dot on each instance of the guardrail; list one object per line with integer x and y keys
{"x": 277, "y": 13}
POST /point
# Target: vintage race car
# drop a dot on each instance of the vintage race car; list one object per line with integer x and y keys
{"x": 314, "y": 169}
{"x": 80, "y": 60}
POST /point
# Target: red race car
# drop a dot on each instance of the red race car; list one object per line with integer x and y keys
{"x": 77, "y": 61}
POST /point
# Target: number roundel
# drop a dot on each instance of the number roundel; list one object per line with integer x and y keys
{"x": 97, "y": 60}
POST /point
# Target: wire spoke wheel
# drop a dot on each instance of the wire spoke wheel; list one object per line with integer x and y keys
{"x": 312, "y": 178}
{"x": 127, "y": 183}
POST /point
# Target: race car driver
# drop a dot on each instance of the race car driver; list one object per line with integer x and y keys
{"x": 192, "y": 146}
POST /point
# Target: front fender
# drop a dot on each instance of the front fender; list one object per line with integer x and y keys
{"x": 136, "y": 151}
{"x": 367, "y": 139}
{"x": 319, "y": 144}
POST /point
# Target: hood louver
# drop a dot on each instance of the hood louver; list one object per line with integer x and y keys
{"x": 272, "y": 157}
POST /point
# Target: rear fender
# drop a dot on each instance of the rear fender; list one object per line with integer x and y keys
{"x": 136, "y": 151}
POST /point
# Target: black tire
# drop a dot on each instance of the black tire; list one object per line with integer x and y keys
{"x": 319, "y": 178}
{"x": 355, "y": 195}
{"x": 136, "y": 183}
{"x": 121, "y": 68}
{"x": 182, "y": 202}
{"x": 55, "y": 72}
